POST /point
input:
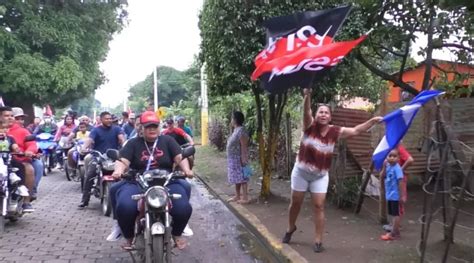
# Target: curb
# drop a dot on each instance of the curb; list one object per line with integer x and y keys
{"x": 282, "y": 252}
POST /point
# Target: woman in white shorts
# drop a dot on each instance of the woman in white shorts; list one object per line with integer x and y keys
{"x": 311, "y": 170}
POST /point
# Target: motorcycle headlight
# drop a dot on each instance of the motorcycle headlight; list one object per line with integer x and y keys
{"x": 156, "y": 197}
{"x": 108, "y": 165}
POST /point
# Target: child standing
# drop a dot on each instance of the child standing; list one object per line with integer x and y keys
{"x": 393, "y": 176}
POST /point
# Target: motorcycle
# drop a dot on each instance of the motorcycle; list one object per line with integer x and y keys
{"x": 104, "y": 179}
{"x": 61, "y": 152}
{"x": 12, "y": 192}
{"x": 152, "y": 239}
{"x": 78, "y": 173}
{"x": 47, "y": 147}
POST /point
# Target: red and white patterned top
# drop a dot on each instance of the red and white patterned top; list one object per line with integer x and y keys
{"x": 315, "y": 154}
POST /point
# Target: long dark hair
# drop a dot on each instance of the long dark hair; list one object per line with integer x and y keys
{"x": 238, "y": 117}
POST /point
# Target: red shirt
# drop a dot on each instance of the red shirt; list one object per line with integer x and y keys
{"x": 19, "y": 134}
{"x": 403, "y": 154}
{"x": 316, "y": 151}
{"x": 175, "y": 130}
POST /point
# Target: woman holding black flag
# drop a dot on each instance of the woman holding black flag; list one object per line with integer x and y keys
{"x": 311, "y": 170}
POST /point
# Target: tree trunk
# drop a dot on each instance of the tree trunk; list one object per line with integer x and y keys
{"x": 267, "y": 143}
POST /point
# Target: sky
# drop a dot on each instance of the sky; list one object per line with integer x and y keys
{"x": 159, "y": 33}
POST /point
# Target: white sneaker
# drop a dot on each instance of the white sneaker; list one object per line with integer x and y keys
{"x": 14, "y": 178}
{"x": 115, "y": 234}
{"x": 22, "y": 191}
{"x": 187, "y": 232}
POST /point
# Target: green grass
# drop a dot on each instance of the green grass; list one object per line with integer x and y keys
{"x": 210, "y": 163}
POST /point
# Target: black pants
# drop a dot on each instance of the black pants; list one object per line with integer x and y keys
{"x": 90, "y": 163}
{"x": 21, "y": 169}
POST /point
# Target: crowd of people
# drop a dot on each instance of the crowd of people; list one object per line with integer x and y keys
{"x": 107, "y": 132}
{"x": 152, "y": 144}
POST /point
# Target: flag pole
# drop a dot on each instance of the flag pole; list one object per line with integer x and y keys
{"x": 155, "y": 89}
{"x": 204, "y": 108}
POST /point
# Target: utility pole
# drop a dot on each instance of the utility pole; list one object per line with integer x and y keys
{"x": 155, "y": 89}
{"x": 204, "y": 108}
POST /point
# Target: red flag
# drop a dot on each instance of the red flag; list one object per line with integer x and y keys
{"x": 307, "y": 58}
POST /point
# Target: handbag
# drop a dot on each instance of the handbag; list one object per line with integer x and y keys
{"x": 247, "y": 171}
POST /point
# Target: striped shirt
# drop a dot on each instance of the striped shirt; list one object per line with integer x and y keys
{"x": 315, "y": 153}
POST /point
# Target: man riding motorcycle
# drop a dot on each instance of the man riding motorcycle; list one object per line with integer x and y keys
{"x": 19, "y": 134}
{"x": 104, "y": 137}
{"x": 182, "y": 124}
{"x": 37, "y": 164}
{"x": 151, "y": 151}
{"x": 47, "y": 126}
{"x": 181, "y": 137}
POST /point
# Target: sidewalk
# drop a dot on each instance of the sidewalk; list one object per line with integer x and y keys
{"x": 347, "y": 238}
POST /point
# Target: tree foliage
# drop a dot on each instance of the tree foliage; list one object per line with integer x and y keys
{"x": 399, "y": 27}
{"x": 174, "y": 86}
{"x": 50, "y": 50}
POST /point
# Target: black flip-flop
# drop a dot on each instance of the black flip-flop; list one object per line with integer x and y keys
{"x": 287, "y": 237}
{"x": 318, "y": 247}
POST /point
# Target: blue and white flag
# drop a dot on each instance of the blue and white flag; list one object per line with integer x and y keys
{"x": 397, "y": 124}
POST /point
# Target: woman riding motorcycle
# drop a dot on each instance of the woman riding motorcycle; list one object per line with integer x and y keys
{"x": 152, "y": 151}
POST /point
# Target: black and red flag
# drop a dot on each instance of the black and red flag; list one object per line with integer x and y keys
{"x": 300, "y": 48}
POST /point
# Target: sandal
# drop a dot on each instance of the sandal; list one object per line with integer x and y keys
{"x": 243, "y": 202}
{"x": 287, "y": 237}
{"x": 389, "y": 237}
{"x": 318, "y": 247}
{"x": 180, "y": 243}
{"x": 233, "y": 199}
{"x": 127, "y": 246}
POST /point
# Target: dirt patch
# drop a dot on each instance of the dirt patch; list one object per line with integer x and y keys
{"x": 348, "y": 237}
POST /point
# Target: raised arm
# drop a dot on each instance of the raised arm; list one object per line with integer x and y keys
{"x": 350, "y": 132}
{"x": 307, "y": 113}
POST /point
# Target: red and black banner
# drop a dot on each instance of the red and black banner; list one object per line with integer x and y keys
{"x": 300, "y": 47}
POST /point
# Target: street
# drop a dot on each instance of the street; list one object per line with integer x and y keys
{"x": 58, "y": 232}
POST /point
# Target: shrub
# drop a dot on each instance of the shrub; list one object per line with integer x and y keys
{"x": 218, "y": 133}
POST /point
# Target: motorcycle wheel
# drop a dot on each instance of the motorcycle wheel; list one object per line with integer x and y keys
{"x": 68, "y": 172}
{"x": 168, "y": 245}
{"x": 2, "y": 224}
{"x": 50, "y": 162}
{"x": 82, "y": 174}
{"x": 44, "y": 159}
{"x": 106, "y": 204}
{"x": 158, "y": 251}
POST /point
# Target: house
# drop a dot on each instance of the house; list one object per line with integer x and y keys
{"x": 441, "y": 71}
{"x": 457, "y": 111}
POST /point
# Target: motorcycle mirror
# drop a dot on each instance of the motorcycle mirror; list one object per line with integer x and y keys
{"x": 30, "y": 138}
{"x": 112, "y": 154}
{"x": 188, "y": 151}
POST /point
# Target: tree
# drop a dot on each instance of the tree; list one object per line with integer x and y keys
{"x": 172, "y": 88}
{"x": 398, "y": 25}
{"x": 232, "y": 36}
{"x": 50, "y": 50}
{"x": 86, "y": 106}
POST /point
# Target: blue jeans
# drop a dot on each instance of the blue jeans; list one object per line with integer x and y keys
{"x": 125, "y": 209}
{"x": 38, "y": 166}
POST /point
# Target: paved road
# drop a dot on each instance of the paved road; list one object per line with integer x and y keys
{"x": 58, "y": 232}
